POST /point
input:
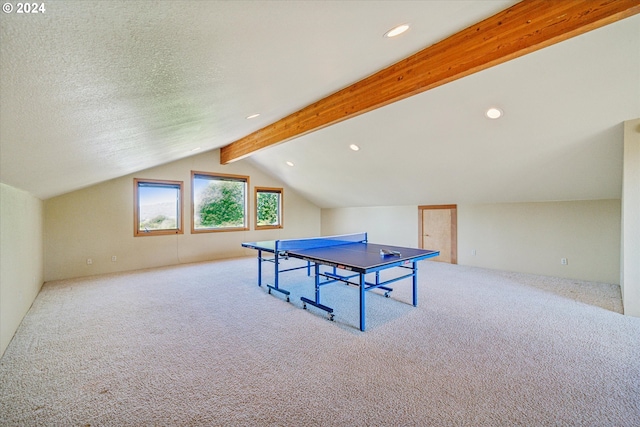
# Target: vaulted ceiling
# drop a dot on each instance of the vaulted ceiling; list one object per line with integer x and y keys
{"x": 94, "y": 90}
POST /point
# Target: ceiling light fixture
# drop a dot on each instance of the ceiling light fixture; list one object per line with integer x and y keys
{"x": 354, "y": 147}
{"x": 253, "y": 116}
{"x": 493, "y": 113}
{"x": 289, "y": 163}
{"x": 396, "y": 31}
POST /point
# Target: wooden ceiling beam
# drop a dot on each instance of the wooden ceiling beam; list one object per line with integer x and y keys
{"x": 523, "y": 28}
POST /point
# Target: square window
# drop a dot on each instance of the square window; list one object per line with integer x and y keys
{"x": 157, "y": 207}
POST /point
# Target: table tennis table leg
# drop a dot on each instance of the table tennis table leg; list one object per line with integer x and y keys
{"x": 276, "y": 286}
{"x": 362, "y": 304}
{"x": 317, "y": 303}
{"x": 415, "y": 283}
{"x": 277, "y": 270}
{"x": 259, "y": 267}
{"x": 317, "y": 283}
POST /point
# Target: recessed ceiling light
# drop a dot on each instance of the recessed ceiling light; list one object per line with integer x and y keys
{"x": 396, "y": 31}
{"x": 290, "y": 163}
{"x": 354, "y": 147}
{"x": 493, "y": 113}
{"x": 253, "y": 116}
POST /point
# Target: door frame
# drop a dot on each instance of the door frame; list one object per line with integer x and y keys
{"x": 454, "y": 227}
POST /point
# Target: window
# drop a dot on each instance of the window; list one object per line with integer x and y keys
{"x": 268, "y": 207}
{"x": 219, "y": 202}
{"x": 157, "y": 207}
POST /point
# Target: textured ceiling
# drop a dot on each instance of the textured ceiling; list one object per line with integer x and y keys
{"x": 94, "y": 90}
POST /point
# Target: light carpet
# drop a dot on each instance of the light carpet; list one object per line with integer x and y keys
{"x": 203, "y": 345}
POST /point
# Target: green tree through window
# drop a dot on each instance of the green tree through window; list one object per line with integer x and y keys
{"x": 222, "y": 204}
{"x": 219, "y": 202}
{"x": 268, "y": 207}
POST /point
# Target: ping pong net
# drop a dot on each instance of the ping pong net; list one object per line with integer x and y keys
{"x": 320, "y": 242}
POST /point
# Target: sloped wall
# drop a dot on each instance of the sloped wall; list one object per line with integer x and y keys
{"x": 97, "y": 223}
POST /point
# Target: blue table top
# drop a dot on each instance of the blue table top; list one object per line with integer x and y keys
{"x": 362, "y": 257}
{"x": 358, "y": 257}
{"x": 266, "y": 245}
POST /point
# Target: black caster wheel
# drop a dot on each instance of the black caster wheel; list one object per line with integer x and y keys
{"x": 304, "y": 306}
{"x": 386, "y": 294}
{"x": 288, "y": 299}
{"x": 269, "y": 291}
{"x": 331, "y": 317}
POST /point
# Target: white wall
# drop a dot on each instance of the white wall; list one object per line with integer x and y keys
{"x": 630, "y": 281}
{"x": 523, "y": 237}
{"x": 533, "y": 237}
{"x": 97, "y": 223}
{"x": 391, "y": 225}
{"x": 21, "y": 258}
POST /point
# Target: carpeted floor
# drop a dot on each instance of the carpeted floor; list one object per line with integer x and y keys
{"x": 203, "y": 345}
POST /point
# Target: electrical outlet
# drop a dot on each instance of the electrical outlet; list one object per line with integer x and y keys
{"x": 89, "y": 261}
{"x": 564, "y": 261}
{"x": 114, "y": 258}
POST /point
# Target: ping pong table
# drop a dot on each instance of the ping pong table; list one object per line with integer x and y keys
{"x": 349, "y": 258}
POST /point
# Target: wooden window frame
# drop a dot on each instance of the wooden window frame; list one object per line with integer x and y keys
{"x": 280, "y": 191}
{"x": 136, "y": 207}
{"x": 222, "y": 176}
